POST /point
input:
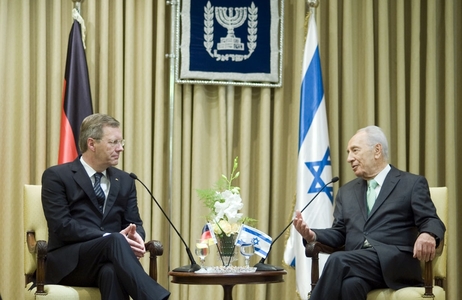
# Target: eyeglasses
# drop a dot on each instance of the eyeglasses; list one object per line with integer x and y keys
{"x": 113, "y": 143}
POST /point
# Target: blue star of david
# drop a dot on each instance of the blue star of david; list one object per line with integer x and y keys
{"x": 316, "y": 168}
{"x": 255, "y": 241}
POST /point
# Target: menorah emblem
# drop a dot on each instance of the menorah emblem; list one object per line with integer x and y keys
{"x": 230, "y": 18}
{"x": 235, "y": 18}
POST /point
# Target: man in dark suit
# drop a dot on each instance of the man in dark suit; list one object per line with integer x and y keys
{"x": 96, "y": 237}
{"x": 386, "y": 220}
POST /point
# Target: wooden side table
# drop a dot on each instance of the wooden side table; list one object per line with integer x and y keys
{"x": 227, "y": 280}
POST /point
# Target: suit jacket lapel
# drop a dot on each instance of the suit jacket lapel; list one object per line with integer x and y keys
{"x": 113, "y": 190}
{"x": 388, "y": 186}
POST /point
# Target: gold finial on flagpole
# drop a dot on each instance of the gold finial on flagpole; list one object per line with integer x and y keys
{"x": 77, "y": 4}
{"x": 76, "y": 16}
{"x": 313, "y": 4}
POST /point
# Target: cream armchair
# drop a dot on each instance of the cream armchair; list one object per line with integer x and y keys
{"x": 35, "y": 251}
{"x": 434, "y": 272}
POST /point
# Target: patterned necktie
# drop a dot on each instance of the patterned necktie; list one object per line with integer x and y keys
{"x": 99, "y": 191}
{"x": 372, "y": 184}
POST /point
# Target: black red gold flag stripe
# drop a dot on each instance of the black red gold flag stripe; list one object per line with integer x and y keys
{"x": 77, "y": 103}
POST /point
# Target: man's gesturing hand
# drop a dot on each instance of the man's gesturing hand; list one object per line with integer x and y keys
{"x": 303, "y": 228}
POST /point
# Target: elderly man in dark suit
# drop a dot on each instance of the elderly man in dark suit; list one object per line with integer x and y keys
{"x": 386, "y": 220}
{"x": 96, "y": 237}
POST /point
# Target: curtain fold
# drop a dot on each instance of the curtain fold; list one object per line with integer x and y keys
{"x": 391, "y": 63}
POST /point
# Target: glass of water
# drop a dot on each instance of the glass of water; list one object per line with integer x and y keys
{"x": 247, "y": 250}
{"x": 202, "y": 250}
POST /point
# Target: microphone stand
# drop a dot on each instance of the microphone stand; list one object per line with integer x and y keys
{"x": 261, "y": 266}
{"x": 188, "y": 268}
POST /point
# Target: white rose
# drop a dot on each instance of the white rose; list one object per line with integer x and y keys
{"x": 225, "y": 226}
{"x": 235, "y": 227}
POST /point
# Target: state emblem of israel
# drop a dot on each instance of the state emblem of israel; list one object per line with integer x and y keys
{"x": 230, "y": 18}
{"x": 230, "y": 42}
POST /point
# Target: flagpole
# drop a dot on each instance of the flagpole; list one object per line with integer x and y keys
{"x": 171, "y": 56}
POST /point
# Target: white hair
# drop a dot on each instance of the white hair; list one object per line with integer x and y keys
{"x": 376, "y": 136}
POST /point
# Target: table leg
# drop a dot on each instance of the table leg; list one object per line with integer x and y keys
{"x": 228, "y": 289}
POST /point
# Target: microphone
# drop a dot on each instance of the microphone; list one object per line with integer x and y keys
{"x": 261, "y": 266}
{"x": 188, "y": 268}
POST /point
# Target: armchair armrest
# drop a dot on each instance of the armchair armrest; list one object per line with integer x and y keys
{"x": 428, "y": 274}
{"x": 312, "y": 249}
{"x": 40, "y": 249}
{"x": 155, "y": 249}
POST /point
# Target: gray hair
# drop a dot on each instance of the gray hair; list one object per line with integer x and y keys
{"x": 376, "y": 136}
{"x": 92, "y": 127}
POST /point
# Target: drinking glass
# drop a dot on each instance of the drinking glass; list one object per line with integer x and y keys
{"x": 202, "y": 250}
{"x": 247, "y": 250}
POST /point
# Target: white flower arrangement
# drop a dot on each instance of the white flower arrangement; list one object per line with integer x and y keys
{"x": 224, "y": 202}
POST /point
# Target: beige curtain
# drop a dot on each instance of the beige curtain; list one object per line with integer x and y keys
{"x": 389, "y": 63}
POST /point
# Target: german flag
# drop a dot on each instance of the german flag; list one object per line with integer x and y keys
{"x": 76, "y": 100}
{"x": 208, "y": 235}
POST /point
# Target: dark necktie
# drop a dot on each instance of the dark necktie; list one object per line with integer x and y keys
{"x": 99, "y": 191}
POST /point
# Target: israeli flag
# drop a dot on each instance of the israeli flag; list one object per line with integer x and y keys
{"x": 314, "y": 164}
{"x": 260, "y": 240}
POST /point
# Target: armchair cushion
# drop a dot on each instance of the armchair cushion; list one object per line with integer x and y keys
{"x": 62, "y": 292}
{"x": 408, "y": 293}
